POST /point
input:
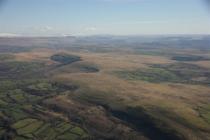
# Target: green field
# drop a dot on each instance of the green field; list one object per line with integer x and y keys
{"x": 175, "y": 73}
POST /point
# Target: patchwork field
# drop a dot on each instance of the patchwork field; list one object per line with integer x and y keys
{"x": 104, "y": 89}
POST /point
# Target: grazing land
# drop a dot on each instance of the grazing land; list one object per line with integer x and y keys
{"x": 105, "y": 88}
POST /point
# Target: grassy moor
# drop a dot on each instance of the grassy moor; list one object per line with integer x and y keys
{"x": 105, "y": 88}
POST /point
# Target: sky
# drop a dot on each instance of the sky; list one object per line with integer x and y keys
{"x": 107, "y": 17}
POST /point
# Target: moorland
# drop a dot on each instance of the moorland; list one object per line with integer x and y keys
{"x": 105, "y": 88}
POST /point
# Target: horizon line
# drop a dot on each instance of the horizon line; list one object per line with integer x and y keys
{"x": 114, "y": 35}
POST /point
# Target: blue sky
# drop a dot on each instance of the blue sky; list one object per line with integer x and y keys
{"x": 88, "y": 17}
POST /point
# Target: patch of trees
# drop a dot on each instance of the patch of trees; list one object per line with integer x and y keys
{"x": 189, "y": 58}
{"x": 65, "y": 58}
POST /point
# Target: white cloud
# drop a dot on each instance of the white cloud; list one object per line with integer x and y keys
{"x": 48, "y": 28}
{"x": 90, "y": 29}
{"x": 42, "y": 29}
{"x": 9, "y": 35}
